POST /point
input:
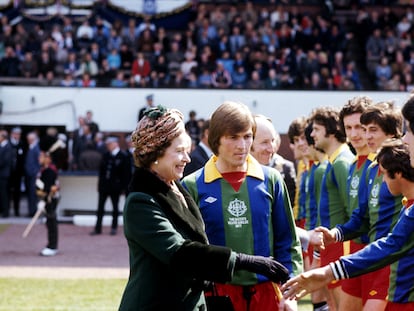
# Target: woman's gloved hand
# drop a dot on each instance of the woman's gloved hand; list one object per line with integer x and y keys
{"x": 266, "y": 266}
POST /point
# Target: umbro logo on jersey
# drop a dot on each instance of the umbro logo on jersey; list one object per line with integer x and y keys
{"x": 210, "y": 200}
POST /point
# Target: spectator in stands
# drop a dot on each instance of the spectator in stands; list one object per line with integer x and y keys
{"x": 9, "y": 64}
{"x": 271, "y": 82}
{"x": 237, "y": 40}
{"x": 146, "y": 24}
{"x": 239, "y": 78}
{"x": 100, "y": 26}
{"x": 119, "y": 80}
{"x": 86, "y": 81}
{"x": 99, "y": 45}
{"x": 88, "y": 65}
{"x": 255, "y": 82}
{"x": 351, "y": 74}
{"x": 114, "y": 59}
{"x": 161, "y": 68}
{"x": 174, "y": 58}
{"x": 84, "y": 35}
{"x": 114, "y": 41}
{"x": 383, "y": 73}
{"x": 71, "y": 66}
{"x": 49, "y": 80}
{"x": 178, "y": 80}
{"x": 394, "y": 84}
{"x": 145, "y": 42}
{"x": 127, "y": 57}
{"x": 68, "y": 42}
{"x": 105, "y": 74}
{"x": 141, "y": 69}
{"x": 220, "y": 77}
{"x": 68, "y": 80}
{"x": 192, "y": 81}
{"x": 97, "y": 54}
{"x": 204, "y": 79}
{"x": 130, "y": 33}
{"x": 163, "y": 39}
{"x": 218, "y": 19}
{"x": 205, "y": 63}
{"x": 375, "y": 49}
{"x": 188, "y": 64}
{"x": 28, "y": 66}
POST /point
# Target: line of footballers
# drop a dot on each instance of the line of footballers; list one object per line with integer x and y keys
{"x": 354, "y": 188}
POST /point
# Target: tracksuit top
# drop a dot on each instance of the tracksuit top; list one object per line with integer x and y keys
{"x": 255, "y": 220}
{"x": 333, "y": 204}
{"x": 379, "y": 215}
{"x": 396, "y": 249}
{"x": 357, "y": 188}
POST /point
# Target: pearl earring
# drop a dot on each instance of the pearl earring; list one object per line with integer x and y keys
{"x": 156, "y": 162}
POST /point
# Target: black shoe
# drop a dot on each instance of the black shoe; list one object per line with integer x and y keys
{"x": 113, "y": 232}
{"x": 94, "y": 232}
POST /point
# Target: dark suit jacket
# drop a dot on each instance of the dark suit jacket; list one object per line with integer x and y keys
{"x": 19, "y": 154}
{"x": 288, "y": 172}
{"x": 31, "y": 165}
{"x": 114, "y": 173}
{"x": 198, "y": 158}
{"x": 6, "y": 160}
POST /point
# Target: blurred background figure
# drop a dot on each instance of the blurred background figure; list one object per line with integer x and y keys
{"x": 6, "y": 161}
{"x": 17, "y": 173}
{"x": 31, "y": 169}
{"x": 201, "y": 153}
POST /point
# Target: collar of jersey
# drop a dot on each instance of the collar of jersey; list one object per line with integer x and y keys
{"x": 211, "y": 173}
{"x": 336, "y": 153}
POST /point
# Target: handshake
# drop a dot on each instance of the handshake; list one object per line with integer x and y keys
{"x": 266, "y": 266}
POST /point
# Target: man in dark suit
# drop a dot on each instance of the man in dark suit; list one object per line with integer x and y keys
{"x": 17, "y": 168}
{"x": 6, "y": 158}
{"x": 201, "y": 153}
{"x": 31, "y": 169}
{"x": 113, "y": 180}
{"x": 150, "y": 104}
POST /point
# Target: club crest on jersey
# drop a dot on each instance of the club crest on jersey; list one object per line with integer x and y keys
{"x": 237, "y": 208}
{"x": 374, "y": 195}
{"x": 354, "y": 186}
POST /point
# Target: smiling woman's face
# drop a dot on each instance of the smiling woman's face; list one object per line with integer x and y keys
{"x": 171, "y": 165}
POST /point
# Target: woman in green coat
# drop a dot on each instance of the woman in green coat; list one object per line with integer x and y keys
{"x": 170, "y": 258}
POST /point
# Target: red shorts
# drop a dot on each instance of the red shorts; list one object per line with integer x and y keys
{"x": 376, "y": 284}
{"x": 331, "y": 253}
{"x": 393, "y": 306}
{"x": 354, "y": 286}
{"x": 308, "y": 254}
{"x": 264, "y": 296}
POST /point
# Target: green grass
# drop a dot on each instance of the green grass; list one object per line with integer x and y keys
{"x": 60, "y": 295}
{"x": 70, "y": 295}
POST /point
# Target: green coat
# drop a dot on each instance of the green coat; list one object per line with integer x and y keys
{"x": 169, "y": 254}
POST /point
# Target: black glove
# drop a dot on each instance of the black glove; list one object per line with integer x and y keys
{"x": 267, "y": 266}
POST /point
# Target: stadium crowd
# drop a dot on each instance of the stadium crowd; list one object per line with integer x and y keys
{"x": 238, "y": 46}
